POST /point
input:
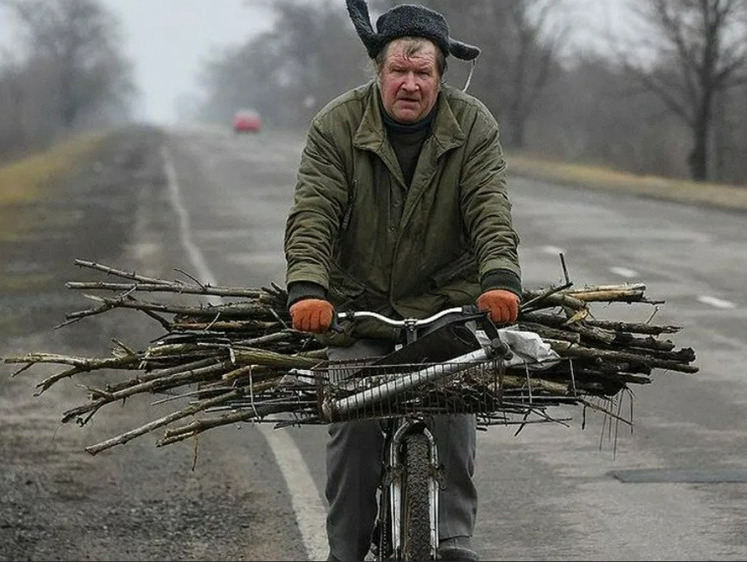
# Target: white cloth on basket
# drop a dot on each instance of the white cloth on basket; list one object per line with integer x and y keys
{"x": 528, "y": 348}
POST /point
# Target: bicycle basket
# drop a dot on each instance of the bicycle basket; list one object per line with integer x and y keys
{"x": 352, "y": 390}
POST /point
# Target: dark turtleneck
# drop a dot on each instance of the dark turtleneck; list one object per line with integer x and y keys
{"x": 407, "y": 139}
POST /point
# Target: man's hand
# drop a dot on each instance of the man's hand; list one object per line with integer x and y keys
{"x": 312, "y": 315}
{"x": 503, "y": 305}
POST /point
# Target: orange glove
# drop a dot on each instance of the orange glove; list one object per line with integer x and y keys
{"x": 503, "y": 305}
{"x": 312, "y": 315}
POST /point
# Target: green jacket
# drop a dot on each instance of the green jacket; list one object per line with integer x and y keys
{"x": 374, "y": 243}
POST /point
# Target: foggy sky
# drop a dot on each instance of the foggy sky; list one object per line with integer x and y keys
{"x": 167, "y": 40}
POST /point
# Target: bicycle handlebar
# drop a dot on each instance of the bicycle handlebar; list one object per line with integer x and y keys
{"x": 410, "y": 323}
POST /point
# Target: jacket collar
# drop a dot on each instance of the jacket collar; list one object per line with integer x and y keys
{"x": 371, "y": 133}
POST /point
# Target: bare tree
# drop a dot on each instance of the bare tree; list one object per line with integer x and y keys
{"x": 537, "y": 41}
{"x": 287, "y": 73}
{"x": 78, "y": 42}
{"x": 701, "y": 48}
{"x": 12, "y": 134}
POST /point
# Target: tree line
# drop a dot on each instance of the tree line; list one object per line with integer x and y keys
{"x": 667, "y": 99}
{"x": 68, "y": 73}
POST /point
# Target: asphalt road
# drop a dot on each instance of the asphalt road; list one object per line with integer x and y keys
{"x": 672, "y": 488}
{"x": 213, "y": 204}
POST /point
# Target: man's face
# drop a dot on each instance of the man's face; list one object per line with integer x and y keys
{"x": 410, "y": 79}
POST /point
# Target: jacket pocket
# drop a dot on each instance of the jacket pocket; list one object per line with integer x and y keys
{"x": 347, "y": 293}
{"x": 463, "y": 268}
{"x": 344, "y": 290}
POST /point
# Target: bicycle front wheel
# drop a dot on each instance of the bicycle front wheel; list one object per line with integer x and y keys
{"x": 416, "y": 521}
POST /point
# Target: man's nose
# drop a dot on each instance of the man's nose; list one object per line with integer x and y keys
{"x": 410, "y": 84}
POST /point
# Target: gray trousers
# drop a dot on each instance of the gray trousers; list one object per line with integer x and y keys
{"x": 354, "y": 453}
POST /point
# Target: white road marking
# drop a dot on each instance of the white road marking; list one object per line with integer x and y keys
{"x": 185, "y": 234}
{"x": 310, "y": 511}
{"x": 715, "y": 301}
{"x": 624, "y": 272}
{"x": 308, "y": 506}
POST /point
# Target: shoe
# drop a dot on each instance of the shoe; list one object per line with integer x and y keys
{"x": 456, "y": 548}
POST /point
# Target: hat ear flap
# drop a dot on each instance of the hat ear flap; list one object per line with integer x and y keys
{"x": 462, "y": 50}
{"x": 358, "y": 11}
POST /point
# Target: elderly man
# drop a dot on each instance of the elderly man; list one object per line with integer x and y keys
{"x": 401, "y": 208}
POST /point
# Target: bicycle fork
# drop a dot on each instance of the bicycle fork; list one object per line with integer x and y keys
{"x": 413, "y": 500}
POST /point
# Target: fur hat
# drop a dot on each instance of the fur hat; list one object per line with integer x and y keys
{"x": 406, "y": 20}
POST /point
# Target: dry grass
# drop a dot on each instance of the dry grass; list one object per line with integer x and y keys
{"x": 34, "y": 178}
{"x": 720, "y": 195}
{"x": 22, "y": 181}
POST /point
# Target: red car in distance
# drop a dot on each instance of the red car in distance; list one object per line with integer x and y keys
{"x": 247, "y": 121}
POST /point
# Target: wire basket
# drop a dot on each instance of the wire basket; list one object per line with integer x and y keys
{"x": 353, "y": 391}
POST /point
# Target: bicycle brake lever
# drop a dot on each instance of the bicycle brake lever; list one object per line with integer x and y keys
{"x": 470, "y": 309}
{"x": 501, "y": 349}
{"x": 336, "y": 326}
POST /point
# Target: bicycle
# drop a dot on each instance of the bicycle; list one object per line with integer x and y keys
{"x": 387, "y": 388}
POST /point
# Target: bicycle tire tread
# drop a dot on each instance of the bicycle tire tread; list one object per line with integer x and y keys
{"x": 417, "y": 531}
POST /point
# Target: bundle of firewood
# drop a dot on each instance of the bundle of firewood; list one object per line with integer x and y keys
{"x": 238, "y": 359}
